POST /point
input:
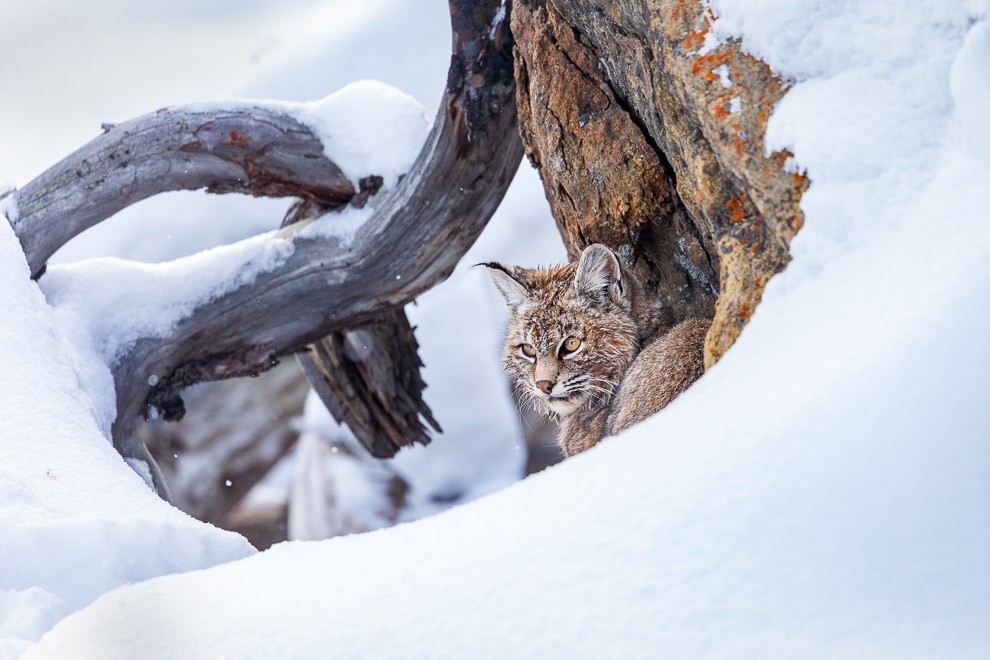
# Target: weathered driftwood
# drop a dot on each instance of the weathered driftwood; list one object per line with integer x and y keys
{"x": 369, "y": 379}
{"x": 411, "y": 242}
{"x": 254, "y": 150}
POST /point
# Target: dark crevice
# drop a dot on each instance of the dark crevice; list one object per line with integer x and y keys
{"x": 670, "y": 175}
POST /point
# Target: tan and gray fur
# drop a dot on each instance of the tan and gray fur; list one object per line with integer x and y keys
{"x": 621, "y": 371}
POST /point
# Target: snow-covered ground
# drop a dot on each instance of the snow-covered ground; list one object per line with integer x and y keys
{"x": 75, "y": 521}
{"x": 823, "y": 491}
{"x": 65, "y": 539}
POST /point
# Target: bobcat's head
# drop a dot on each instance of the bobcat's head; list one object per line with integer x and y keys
{"x": 571, "y": 332}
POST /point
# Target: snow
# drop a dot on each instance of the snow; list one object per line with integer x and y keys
{"x": 338, "y": 488}
{"x": 342, "y": 225}
{"x": 8, "y": 203}
{"x": 724, "y": 76}
{"x": 26, "y": 615}
{"x": 838, "y": 503}
{"x": 367, "y": 128}
{"x": 75, "y": 521}
{"x": 969, "y": 84}
{"x": 480, "y": 450}
{"x": 497, "y": 20}
{"x": 115, "y": 302}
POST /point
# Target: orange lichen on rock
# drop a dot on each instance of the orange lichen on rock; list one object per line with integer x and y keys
{"x": 720, "y": 108}
{"x": 695, "y": 39}
{"x": 704, "y": 65}
{"x": 736, "y": 206}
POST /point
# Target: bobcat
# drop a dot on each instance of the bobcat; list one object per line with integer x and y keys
{"x": 576, "y": 346}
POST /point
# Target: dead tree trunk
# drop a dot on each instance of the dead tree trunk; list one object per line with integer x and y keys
{"x": 316, "y": 283}
{"x": 650, "y": 140}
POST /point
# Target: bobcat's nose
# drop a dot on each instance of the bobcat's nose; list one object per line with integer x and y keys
{"x": 545, "y": 386}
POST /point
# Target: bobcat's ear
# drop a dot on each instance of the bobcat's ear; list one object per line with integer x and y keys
{"x": 515, "y": 294}
{"x": 599, "y": 275}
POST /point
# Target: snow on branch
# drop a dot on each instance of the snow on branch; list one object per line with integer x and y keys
{"x": 250, "y": 149}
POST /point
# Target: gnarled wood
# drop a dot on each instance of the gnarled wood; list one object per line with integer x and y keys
{"x": 251, "y": 149}
{"x": 329, "y": 283}
{"x": 369, "y": 379}
{"x": 414, "y": 239}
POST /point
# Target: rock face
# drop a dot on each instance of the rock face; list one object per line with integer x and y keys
{"x": 650, "y": 140}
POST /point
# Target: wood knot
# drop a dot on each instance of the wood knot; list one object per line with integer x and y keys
{"x": 237, "y": 139}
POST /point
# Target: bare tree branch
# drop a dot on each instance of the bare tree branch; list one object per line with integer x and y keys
{"x": 254, "y": 150}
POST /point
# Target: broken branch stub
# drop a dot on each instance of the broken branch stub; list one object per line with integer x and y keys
{"x": 369, "y": 378}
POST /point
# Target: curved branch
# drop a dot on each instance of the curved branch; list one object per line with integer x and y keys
{"x": 412, "y": 241}
{"x": 256, "y": 150}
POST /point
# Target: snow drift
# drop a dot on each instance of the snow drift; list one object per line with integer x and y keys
{"x": 823, "y": 491}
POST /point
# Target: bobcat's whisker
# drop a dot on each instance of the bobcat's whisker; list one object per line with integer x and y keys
{"x": 600, "y": 390}
{"x": 610, "y": 383}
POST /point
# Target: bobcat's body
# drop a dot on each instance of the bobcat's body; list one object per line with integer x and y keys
{"x": 581, "y": 345}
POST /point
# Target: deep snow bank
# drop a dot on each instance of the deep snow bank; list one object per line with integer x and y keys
{"x": 91, "y": 522}
{"x": 75, "y": 521}
{"x": 839, "y": 502}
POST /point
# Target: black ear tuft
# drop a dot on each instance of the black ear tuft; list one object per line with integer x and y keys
{"x": 505, "y": 281}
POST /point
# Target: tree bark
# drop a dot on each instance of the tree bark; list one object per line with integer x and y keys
{"x": 651, "y": 142}
{"x": 369, "y": 379}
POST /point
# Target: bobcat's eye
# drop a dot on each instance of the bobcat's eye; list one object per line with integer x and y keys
{"x": 570, "y": 345}
{"x": 528, "y": 350}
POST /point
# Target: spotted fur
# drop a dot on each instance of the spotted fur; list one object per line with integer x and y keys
{"x": 608, "y": 383}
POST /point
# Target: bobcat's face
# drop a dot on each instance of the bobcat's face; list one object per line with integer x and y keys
{"x": 571, "y": 335}
{"x": 564, "y": 356}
